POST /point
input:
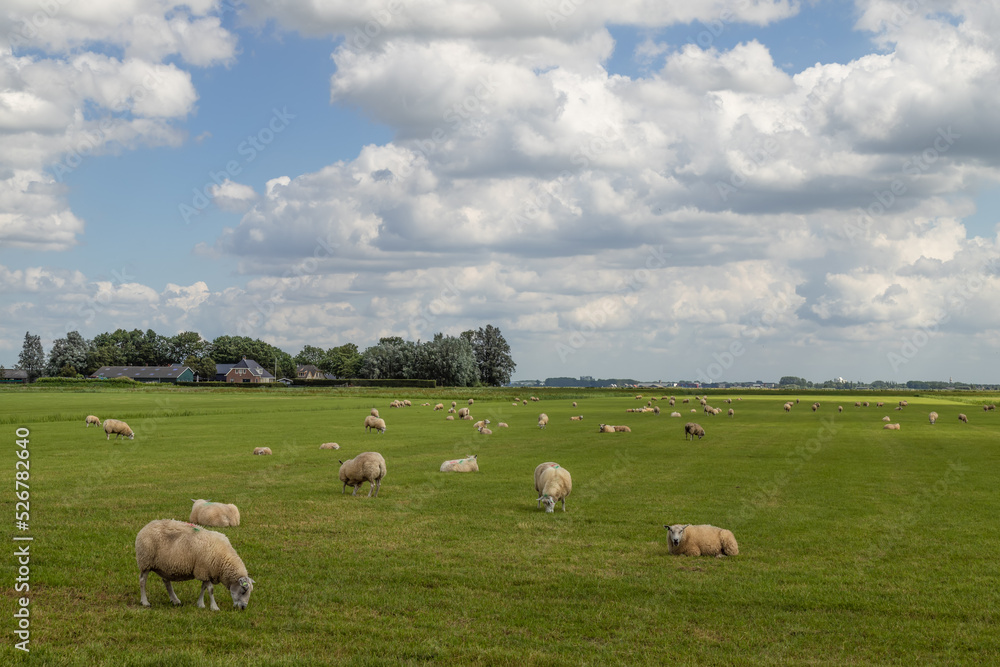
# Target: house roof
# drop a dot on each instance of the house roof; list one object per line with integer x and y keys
{"x": 308, "y": 368}
{"x": 172, "y": 371}
{"x": 14, "y": 373}
{"x": 250, "y": 364}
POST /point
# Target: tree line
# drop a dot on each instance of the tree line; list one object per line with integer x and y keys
{"x": 475, "y": 357}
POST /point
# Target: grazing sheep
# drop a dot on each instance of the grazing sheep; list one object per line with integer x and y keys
{"x": 91, "y": 419}
{"x": 470, "y": 401}
{"x": 262, "y": 451}
{"x": 621, "y": 429}
{"x": 439, "y": 406}
{"x": 329, "y": 445}
{"x": 898, "y": 407}
{"x": 606, "y": 428}
{"x": 672, "y": 401}
{"x": 903, "y": 404}
{"x": 451, "y": 411}
{"x": 693, "y": 429}
{"x": 656, "y": 410}
{"x": 788, "y": 407}
{"x": 815, "y": 407}
{"x": 574, "y": 405}
{"x": 468, "y": 464}
{"x": 731, "y": 412}
{"x": 365, "y": 467}
{"x": 857, "y": 404}
{"x": 879, "y": 404}
{"x": 179, "y": 551}
{"x": 683, "y": 539}
{"x": 407, "y": 403}
{"x": 119, "y": 428}
{"x": 886, "y": 419}
{"x": 374, "y": 424}
{"x": 481, "y": 423}
{"x": 463, "y": 413}
{"x": 485, "y": 431}
{"x": 503, "y": 425}
{"x": 534, "y": 398}
{"x": 454, "y": 404}
{"x": 840, "y": 408}
{"x": 686, "y": 400}
{"x": 866, "y": 404}
{"x": 675, "y": 414}
{"x": 374, "y": 412}
{"x": 933, "y": 417}
{"x": 543, "y": 420}
{"x": 963, "y": 418}
{"x": 553, "y": 483}
{"x": 207, "y": 513}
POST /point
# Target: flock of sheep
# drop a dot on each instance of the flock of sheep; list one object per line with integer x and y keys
{"x": 181, "y": 551}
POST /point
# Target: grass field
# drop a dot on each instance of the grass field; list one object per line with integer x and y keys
{"x": 858, "y": 545}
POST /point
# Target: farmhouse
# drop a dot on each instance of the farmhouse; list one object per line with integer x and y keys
{"x": 309, "y": 372}
{"x": 246, "y": 370}
{"x": 13, "y": 376}
{"x": 171, "y": 373}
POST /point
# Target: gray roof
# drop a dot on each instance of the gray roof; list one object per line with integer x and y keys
{"x": 172, "y": 371}
{"x": 14, "y": 373}
{"x": 250, "y": 364}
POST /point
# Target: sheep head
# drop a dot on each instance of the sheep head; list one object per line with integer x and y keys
{"x": 550, "y": 503}
{"x": 676, "y": 533}
{"x": 241, "y": 591}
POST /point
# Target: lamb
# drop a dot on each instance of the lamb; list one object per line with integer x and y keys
{"x": 481, "y": 423}
{"x": 675, "y": 414}
{"x": 622, "y": 429}
{"x": 485, "y": 431}
{"x": 606, "y": 428}
{"x": 553, "y": 483}
{"x": 468, "y": 464}
{"x": 963, "y": 418}
{"x": 179, "y": 551}
{"x": 262, "y": 451}
{"x": 439, "y": 406}
{"x": 933, "y": 417}
{"x": 207, "y": 513}
{"x": 686, "y": 540}
{"x": 374, "y": 423}
{"x": 119, "y": 428}
{"x": 329, "y": 445}
{"x": 365, "y": 467}
{"x": 91, "y": 419}
{"x": 543, "y": 420}
{"x": 693, "y": 429}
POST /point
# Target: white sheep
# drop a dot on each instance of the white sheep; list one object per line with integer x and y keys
{"x": 692, "y": 429}
{"x": 788, "y": 407}
{"x": 675, "y": 414}
{"x": 374, "y": 412}
{"x": 543, "y": 420}
{"x": 886, "y": 419}
{"x": 656, "y": 410}
{"x": 407, "y": 403}
{"x": 471, "y": 401}
{"x": 891, "y": 427}
{"x": 606, "y": 428}
{"x": 450, "y": 418}
{"x": 503, "y": 425}
{"x": 119, "y": 428}
{"x": 840, "y": 408}
{"x": 933, "y": 417}
{"x": 485, "y": 431}
{"x": 683, "y": 539}
{"x": 481, "y": 424}
{"x": 574, "y": 405}
{"x": 463, "y": 413}
{"x": 553, "y": 483}
{"x": 374, "y": 424}
{"x": 621, "y": 429}
{"x": 576, "y": 418}
{"x": 731, "y": 412}
{"x": 179, "y": 551}
{"x": 454, "y": 404}
{"x": 439, "y": 406}
{"x": 963, "y": 418}
{"x": 468, "y": 464}
{"x": 329, "y": 445}
{"x": 365, "y": 467}
{"x": 207, "y": 513}
{"x": 91, "y": 419}
{"x": 262, "y": 451}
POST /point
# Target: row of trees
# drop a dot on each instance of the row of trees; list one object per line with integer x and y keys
{"x": 474, "y": 357}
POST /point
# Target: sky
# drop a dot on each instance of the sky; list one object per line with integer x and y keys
{"x": 653, "y": 189}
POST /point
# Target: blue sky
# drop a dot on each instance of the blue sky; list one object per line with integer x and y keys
{"x": 631, "y": 190}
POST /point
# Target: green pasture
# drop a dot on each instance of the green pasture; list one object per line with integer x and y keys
{"x": 858, "y": 545}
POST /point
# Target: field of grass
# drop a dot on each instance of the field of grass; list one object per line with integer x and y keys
{"x": 858, "y": 545}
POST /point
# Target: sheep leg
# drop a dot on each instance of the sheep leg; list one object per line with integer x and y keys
{"x": 355, "y": 490}
{"x": 170, "y": 591}
{"x": 371, "y": 487}
{"x": 142, "y": 589}
{"x": 207, "y": 585}
{"x": 343, "y": 490}
{"x": 564, "y": 504}
{"x": 378, "y": 485}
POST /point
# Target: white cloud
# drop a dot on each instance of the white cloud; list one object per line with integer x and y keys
{"x": 231, "y": 196}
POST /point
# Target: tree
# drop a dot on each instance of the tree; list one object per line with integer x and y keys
{"x": 69, "y": 351}
{"x": 32, "y": 358}
{"x": 186, "y": 344}
{"x": 343, "y": 361}
{"x": 492, "y": 356}
{"x": 791, "y": 379}
{"x": 203, "y": 367}
{"x": 310, "y": 355}
{"x": 451, "y": 361}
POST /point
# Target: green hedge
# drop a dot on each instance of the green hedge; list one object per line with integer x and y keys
{"x": 236, "y": 385}
{"x": 59, "y": 382}
{"x": 361, "y": 382}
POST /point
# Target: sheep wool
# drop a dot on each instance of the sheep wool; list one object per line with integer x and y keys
{"x": 468, "y": 464}
{"x": 933, "y": 417}
{"x": 262, "y": 451}
{"x": 207, "y": 513}
{"x": 329, "y": 445}
{"x": 621, "y": 429}
{"x": 692, "y": 429}
{"x": 439, "y": 406}
{"x": 553, "y": 483}
{"x": 675, "y": 414}
{"x": 963, "y": 418}
{"x": 374, "y": 412}
{"x": 543, "y": 420}
{"x": 119, "y": 428}
{"x": 683, "y": 539}
{"x": 179, "y": 551}
{"x": 374, "y": 424}
{"x": 365, "y": 467}
{"x": 606, "y": 428}
{"x": 91, "y": 419}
